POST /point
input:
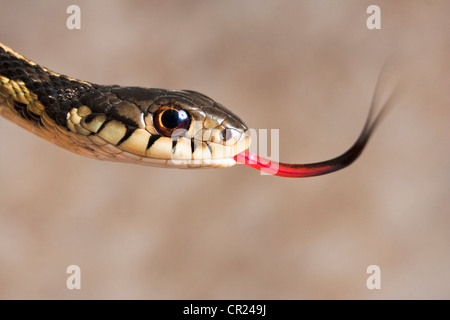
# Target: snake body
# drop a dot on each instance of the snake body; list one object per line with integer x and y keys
{"x": 150, "y": 126}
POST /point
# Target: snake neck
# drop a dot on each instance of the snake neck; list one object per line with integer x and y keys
{"x": 30, "y": 89}
{"x": 43, "y": 102}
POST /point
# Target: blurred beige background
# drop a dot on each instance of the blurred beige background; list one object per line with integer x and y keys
{"x": 306, "y": 67}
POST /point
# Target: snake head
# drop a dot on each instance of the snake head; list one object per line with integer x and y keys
{"x": 175, "y": 128}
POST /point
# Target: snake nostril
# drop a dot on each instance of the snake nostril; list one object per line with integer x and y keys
{"x": 226, "y": 134}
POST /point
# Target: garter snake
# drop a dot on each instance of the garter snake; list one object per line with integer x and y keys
{"x": 156, "y": 127}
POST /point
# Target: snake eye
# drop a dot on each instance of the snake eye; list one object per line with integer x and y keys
{"x": 171, "y": 121}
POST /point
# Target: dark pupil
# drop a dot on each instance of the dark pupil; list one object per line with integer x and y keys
{"x": 171, "y": 118}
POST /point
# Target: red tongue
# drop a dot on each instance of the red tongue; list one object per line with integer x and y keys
{"x": 323, "y": 167}
{"x": 284, "y": 169}
{"x": 318, "y": 168}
